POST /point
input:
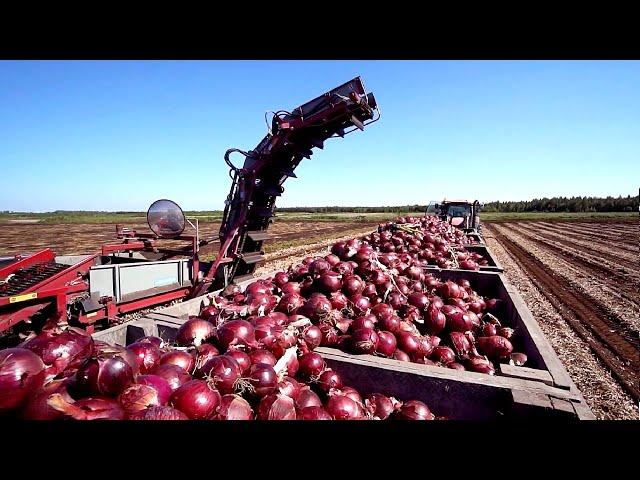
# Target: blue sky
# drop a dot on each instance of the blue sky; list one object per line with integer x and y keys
{"x": 115, "y": 135}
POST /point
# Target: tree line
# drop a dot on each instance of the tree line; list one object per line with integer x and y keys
{"x": 567, "y": 204}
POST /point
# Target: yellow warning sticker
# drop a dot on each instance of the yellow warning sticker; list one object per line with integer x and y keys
{"x": 22, "y": 298}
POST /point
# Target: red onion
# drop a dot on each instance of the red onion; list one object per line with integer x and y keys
{"x": 382, "y": 310}
{"x": 328, "y": 380}
{"x": 443, "y": 355}
{"x": 242, "y": 359}
{"x": 329, "y": 335}
{"x": 61, "y": 349}
{"x": 386, "y": 344}
{"x": 196, "y": 399}
{"x": 147, "y": 355}
{"x": 396, "y": 300}
{"x": 517, "y": 359}
{"x": 180, "y": 358}
{"x": 401, "y": 356}
{"x": 418, "y": 300}
{"x": 209, "y": 313}
{"x": 390, "y": 323}
{"x": 233, "y": 407}
{"x": 414, "y": 410}
{"x": 352, "y": 285}
{"x": 360, "y": 304}
{"x": 137, "y": 397}
{"x": 263, "y": 356}
{"x": 314, "y": 413}
{"x": 317, "y": 307}
{"x": 223, "y": 372}
{"x": 263, "y": 379}
{"x": 290, "y": 303}
{"x": 173, "y": 374}
{"x": 236, "y": 332}
{"x": 363, "y": 321}
{"x": 489, "y": 330}
{"x": 22, "y": 373}
{"x": 290, "y": 287}
{"x": 311, "y": 365}
{"x": 330, "y": 282}
{"x": 381, "y": 406}
{"x": 290, "y": 387}
{"x": 364, "y": 340}
{"x": 480, "y": 365}
{"x": 408, "y": 342}
{"x": 307, "y": 398}
{"x": 494, "y": 346}
{"x": 194, "y": 332}
{"x": 341, "y": 407}
{"x": 158, "y": 413}
{"x": 105, "y": 375}
{"x": 280, "y": 279}
{"x": 312, "y": 336}
{"x": 276, "y": 407}
{"x": 159, "y": 384}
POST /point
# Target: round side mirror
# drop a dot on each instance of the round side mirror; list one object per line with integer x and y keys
{"x": 166, "y": 219}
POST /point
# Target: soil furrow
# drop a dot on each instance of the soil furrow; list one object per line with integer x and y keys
{"x": 625, "y": 288}
{"x": 582, "y": 313}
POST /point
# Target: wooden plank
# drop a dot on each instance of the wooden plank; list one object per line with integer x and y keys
{"x": 447, "y": 374}
{"x": 526, "y": 373}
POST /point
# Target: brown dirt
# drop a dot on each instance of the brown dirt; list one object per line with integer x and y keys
{"x": 74, "y": 239}
{"x": 589, "y": 316}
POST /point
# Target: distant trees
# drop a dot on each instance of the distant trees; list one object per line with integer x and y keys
{"x": 567, "y": 204}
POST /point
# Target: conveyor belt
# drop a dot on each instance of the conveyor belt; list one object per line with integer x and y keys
{"x": 25, "y": 278}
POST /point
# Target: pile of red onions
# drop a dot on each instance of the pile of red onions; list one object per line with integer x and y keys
{"x": 260, "y": 368}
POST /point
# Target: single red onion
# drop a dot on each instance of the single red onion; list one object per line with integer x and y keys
{"x": 233, "y": 407}
{"x": 196, "y": 399}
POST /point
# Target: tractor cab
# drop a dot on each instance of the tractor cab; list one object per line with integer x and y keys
{"x": 461, "y": 214}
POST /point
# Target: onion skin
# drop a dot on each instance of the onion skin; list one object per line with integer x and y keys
{"x": 37, "y": 408}
{"x": 194, "y": 331}
{"x": 328, "y": 380}
{"x": 158, "y": 383}
{"x": 22, "y": 373}
{"x": 61, "y": 349}
{"x": 290, "y": 387}
{"x": 97, "y": 408}
{"x": 414, "y": 410}
{"x": 138, "y": 397}
{"x": 158, "y": 413}
{"x": 276, "y": 407}
{"x": 234, "y": 407}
